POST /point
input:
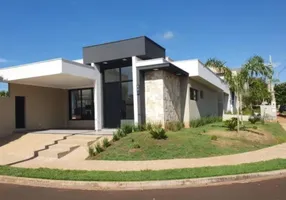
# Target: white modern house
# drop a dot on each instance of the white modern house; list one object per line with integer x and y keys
{"x": 127, "y": 81}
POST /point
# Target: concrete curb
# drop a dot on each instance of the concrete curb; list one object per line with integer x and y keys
{"x": 142, "y": 185}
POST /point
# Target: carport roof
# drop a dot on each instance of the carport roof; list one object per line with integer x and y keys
{"x": 56, "y": 73}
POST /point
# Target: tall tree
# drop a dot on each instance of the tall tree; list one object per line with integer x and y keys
{"x": 257, "y": 67}
{"x": 239, "y": 82}
{"x": 280, "y": 93}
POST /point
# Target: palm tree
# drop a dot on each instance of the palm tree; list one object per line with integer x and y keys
{"x": 255, "y": 66}
{"x": 237, "y": 82}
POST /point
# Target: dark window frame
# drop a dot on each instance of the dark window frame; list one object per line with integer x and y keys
{"x": 70, "y": 103}
{"x": 193, "y": 94}
{"x": 120, "y": 83}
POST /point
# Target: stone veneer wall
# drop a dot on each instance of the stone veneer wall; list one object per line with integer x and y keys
{"x": 162, "y": 97}
{"x": 154, "y": 107}
{"x": 172, "y": 102}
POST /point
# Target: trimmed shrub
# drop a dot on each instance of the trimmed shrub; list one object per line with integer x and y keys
{"x": 98, "y": 148}
{"x": 231, "y": 124}
{"x": 139, "y": 127}
{"x": 91, "y": 151}
{"x": 204, "y": 120}
{"x": 148, "y": 126}
{"x": 105, "y": 143}
{"x": 174, "y": 126}
{"x": 115, "y": 137}
{"x": 120, "y": 133}
{"x": 127, "y": 128}
{"x": 213, "y": 137}
{"x": 158, "y": 133}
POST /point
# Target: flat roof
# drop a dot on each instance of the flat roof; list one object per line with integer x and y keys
{"x": 126, "y": 40}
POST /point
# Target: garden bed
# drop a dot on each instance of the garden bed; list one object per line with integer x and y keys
{"x": 205, "y": 141}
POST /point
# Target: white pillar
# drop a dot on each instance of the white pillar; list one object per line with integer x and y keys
{"x": 136, "y": 99}
{"x": 98, "y": 112}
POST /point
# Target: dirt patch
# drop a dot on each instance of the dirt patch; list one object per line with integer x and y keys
{"x": 252, "y": 135}
{"x": 134, "y": 150}
{"x": 222, "y": 142}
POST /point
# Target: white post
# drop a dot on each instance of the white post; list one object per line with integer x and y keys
{"x": 98, "y": 113}
{"x": 135, "y": 90}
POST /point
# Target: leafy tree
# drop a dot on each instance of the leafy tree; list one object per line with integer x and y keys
{"x": 4, "y": 93}
{"x": 280, "y": 93}
{"x": 239, "y": 82}
{"x": 257, "y": 93}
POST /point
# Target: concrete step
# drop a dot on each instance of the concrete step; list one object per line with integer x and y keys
{"x": 57, "y": 151}
{"x": 78, "y": 141}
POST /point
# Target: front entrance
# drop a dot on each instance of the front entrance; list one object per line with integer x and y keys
{"x": 112, "y": 110}
{"x": 118, "y": 95}
{"x": 20, "y": 112}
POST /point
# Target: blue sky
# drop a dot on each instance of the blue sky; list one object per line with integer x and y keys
{"x": 34, "y": 30}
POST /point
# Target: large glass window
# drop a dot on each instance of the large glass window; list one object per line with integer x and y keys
{"x": 111, "y": 75}
{"x": 126, "y": 73}
{"x": 81, "y": 104}
{"x": 127, "y": 111}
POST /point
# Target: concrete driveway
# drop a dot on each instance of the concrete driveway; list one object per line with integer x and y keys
{"x": 19, "y": 147}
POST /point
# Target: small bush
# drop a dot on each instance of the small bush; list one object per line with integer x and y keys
{"x": 98, "y": 148}
{"x": 158, "y": 133}
{"x": 174, "y": 126}
{"x": 132, "y": 140}
{"x": 136, "y": 146}
{"x": 204, "y": 120}
{"x": 139, "y": 127}
{"x": 243, "y": 128}
{"x": 255, "y": 127}
{"x": 253, "y": 119}
{"x": 115, "y": 137}
{"x": 213, "y": 137}
{"x": 231, "y": 124}
{"x": 105, "y": 143}
{"x": 91, "y": 151}
{"x": 127, "y": 128}
{"x": 148, "y": 126}
{"x": 120, "y": 133}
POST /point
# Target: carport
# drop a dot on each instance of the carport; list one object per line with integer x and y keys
{"x": 40, "y": 95}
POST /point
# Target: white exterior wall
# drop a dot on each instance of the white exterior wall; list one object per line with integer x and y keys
{"x": 196, "y": 69}
{"x": 206, "y": 106}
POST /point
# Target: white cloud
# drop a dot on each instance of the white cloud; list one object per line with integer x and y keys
{"x": 168, "y": 35}
{"x": 2, "y": 60}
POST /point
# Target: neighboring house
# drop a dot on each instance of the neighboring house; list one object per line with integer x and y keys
{"x": 127, "y": 81}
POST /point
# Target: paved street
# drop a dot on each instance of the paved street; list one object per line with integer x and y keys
{"x": 266, "y": 190}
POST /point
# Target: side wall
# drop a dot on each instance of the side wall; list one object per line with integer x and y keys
{"x": 45, "y": 108}
{"x": 208, "y": 105}
{"x": 7, "y": 116}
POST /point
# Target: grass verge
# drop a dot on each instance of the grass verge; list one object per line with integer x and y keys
{"x": 78, "y": 175}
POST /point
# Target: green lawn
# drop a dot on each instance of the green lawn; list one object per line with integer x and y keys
{"x": 186, "y": 143}
{"x": 77, "y": 175}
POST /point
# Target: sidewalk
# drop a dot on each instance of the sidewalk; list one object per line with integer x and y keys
{"x": 75, "y": 163}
